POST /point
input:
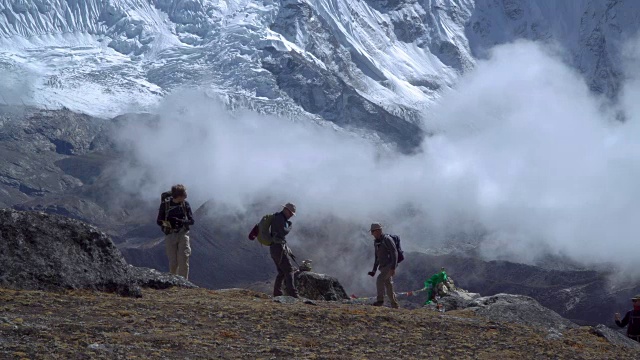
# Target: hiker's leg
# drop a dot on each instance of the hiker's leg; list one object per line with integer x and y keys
{"x": 184, "y": 252}
{"x": 380, "y": 284}
{"x": 276, "y": 255}
{"x": 277, "y": 286}
{"x": 171, "y": 248}
{"x": 390, "y": 293}
{"x": 287, "y": 269}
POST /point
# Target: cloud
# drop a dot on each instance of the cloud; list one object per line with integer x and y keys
{"x": 523, "y": 155}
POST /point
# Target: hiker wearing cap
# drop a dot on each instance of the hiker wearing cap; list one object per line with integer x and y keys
{"x": 632, "y": 318}
{"x": 386, "y": 261}
{"x": 280, "y": 228}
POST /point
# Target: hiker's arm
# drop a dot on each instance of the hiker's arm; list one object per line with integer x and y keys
{"x": 278, "y": 227}
{"x": 624, "y": 321}
{"x": 161, "y": 215}
{"x": 393, "y": 251}
{"x": 375, "y": 265}
{"x": 190, "y": 220}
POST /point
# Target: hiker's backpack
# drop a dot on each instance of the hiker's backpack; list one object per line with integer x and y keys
{"x": 164, "y": 196}
{"x": 396, "y": 240}
{"x": 264, "y": 230}
{"x": 165, "y": 200}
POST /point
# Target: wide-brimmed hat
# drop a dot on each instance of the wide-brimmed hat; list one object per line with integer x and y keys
{"x": 376, "y": 226}
{"x": 291, "y": 207}
{"x": 637, "y": 297}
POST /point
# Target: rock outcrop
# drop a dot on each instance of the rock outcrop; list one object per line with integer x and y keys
{"x": 507, "y": 308}
{"x": 614, "y": 338}
{"x": 319, "y": 287}
{"x": 457, "y": 299}
{"x": 50, "y": 252}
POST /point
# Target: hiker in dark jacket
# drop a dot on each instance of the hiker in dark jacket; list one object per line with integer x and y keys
{"x": 175, "y": 217}
{"x": 280, "y": 252}
{"x": 632, "y": 318}
{"x": 387, "y": 261}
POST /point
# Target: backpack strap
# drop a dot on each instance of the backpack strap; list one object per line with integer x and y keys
{"x": 167, "y": 207}
{"x": 387, "y": 236}
{"x": 186, "y": 217}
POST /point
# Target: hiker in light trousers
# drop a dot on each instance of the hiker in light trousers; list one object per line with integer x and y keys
{"x": 175, "y": 217}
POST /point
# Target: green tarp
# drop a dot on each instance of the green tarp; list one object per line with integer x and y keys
{"x": 432, "y": 284}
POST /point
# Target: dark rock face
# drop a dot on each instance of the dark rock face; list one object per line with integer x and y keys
{"x": 320, "y": 92}
{"x": 520, "y": 310}
{"x": 319, "y": 287}
{"x": 33, "y": 141}
{"x": 334, "y": 95}
{"x": 614, "y": 337}
{"x": 50, "y": 252}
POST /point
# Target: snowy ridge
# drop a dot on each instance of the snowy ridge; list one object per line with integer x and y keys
{"x": 300, "y": 58}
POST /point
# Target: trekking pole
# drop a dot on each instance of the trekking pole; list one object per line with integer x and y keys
{"x": 292, "y": 256}
{"x": 294, "y": 260}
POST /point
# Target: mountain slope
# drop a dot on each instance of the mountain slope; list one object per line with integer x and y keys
{"x": 374, "y": 65}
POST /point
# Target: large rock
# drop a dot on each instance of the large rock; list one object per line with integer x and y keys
{"x": 457, "y": 299}
{"x": 154, "y": 279}
{"x": 50, "y": 252}
{"x": 319, "y": 287}
{"x": 521, "y": 310}
{"x": 614, "y": 337}
{"x": 582, "y": 296}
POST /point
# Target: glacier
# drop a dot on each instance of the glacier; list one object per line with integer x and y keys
{"x": 370, "y": 66}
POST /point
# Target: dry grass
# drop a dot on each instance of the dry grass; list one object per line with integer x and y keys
{"x": 240, "y": 324}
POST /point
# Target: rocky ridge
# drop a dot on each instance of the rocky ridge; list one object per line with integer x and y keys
{"x": 50, "y": 252}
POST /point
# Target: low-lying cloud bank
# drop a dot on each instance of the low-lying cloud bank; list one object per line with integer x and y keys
{"x": 523, "y": 155}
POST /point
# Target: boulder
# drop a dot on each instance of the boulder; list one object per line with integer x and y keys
{"x": 50, "y": 252}
{"x": 316, "y": 286}
{"x": 520, "y": 309}
{"x": 154, "y": 279}
{"x": 457, "y": 299}
{"x": 614, "y": 337}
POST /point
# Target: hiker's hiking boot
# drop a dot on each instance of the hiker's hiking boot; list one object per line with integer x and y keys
{"x": 378, "y": 303}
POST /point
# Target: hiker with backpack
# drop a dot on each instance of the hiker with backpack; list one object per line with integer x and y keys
{"x": 632, "y": 319}
{"x": 175, "y": 218}
{"x": 272, "y": 231}
{"x": 387, "y": 257}
{"x": 280, "y": 252}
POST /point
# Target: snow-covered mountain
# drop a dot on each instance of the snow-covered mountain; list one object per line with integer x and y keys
{"x": 373, "y": 65}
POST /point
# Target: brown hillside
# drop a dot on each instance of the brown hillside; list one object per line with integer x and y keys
{"x": 241, "y": 324}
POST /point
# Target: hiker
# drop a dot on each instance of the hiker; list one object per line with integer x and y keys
{"x": 632, "y": 318}
{"x": 386, "y": 260}
{"x": 175, "y": 217}
{"x": 280, "y": 252}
